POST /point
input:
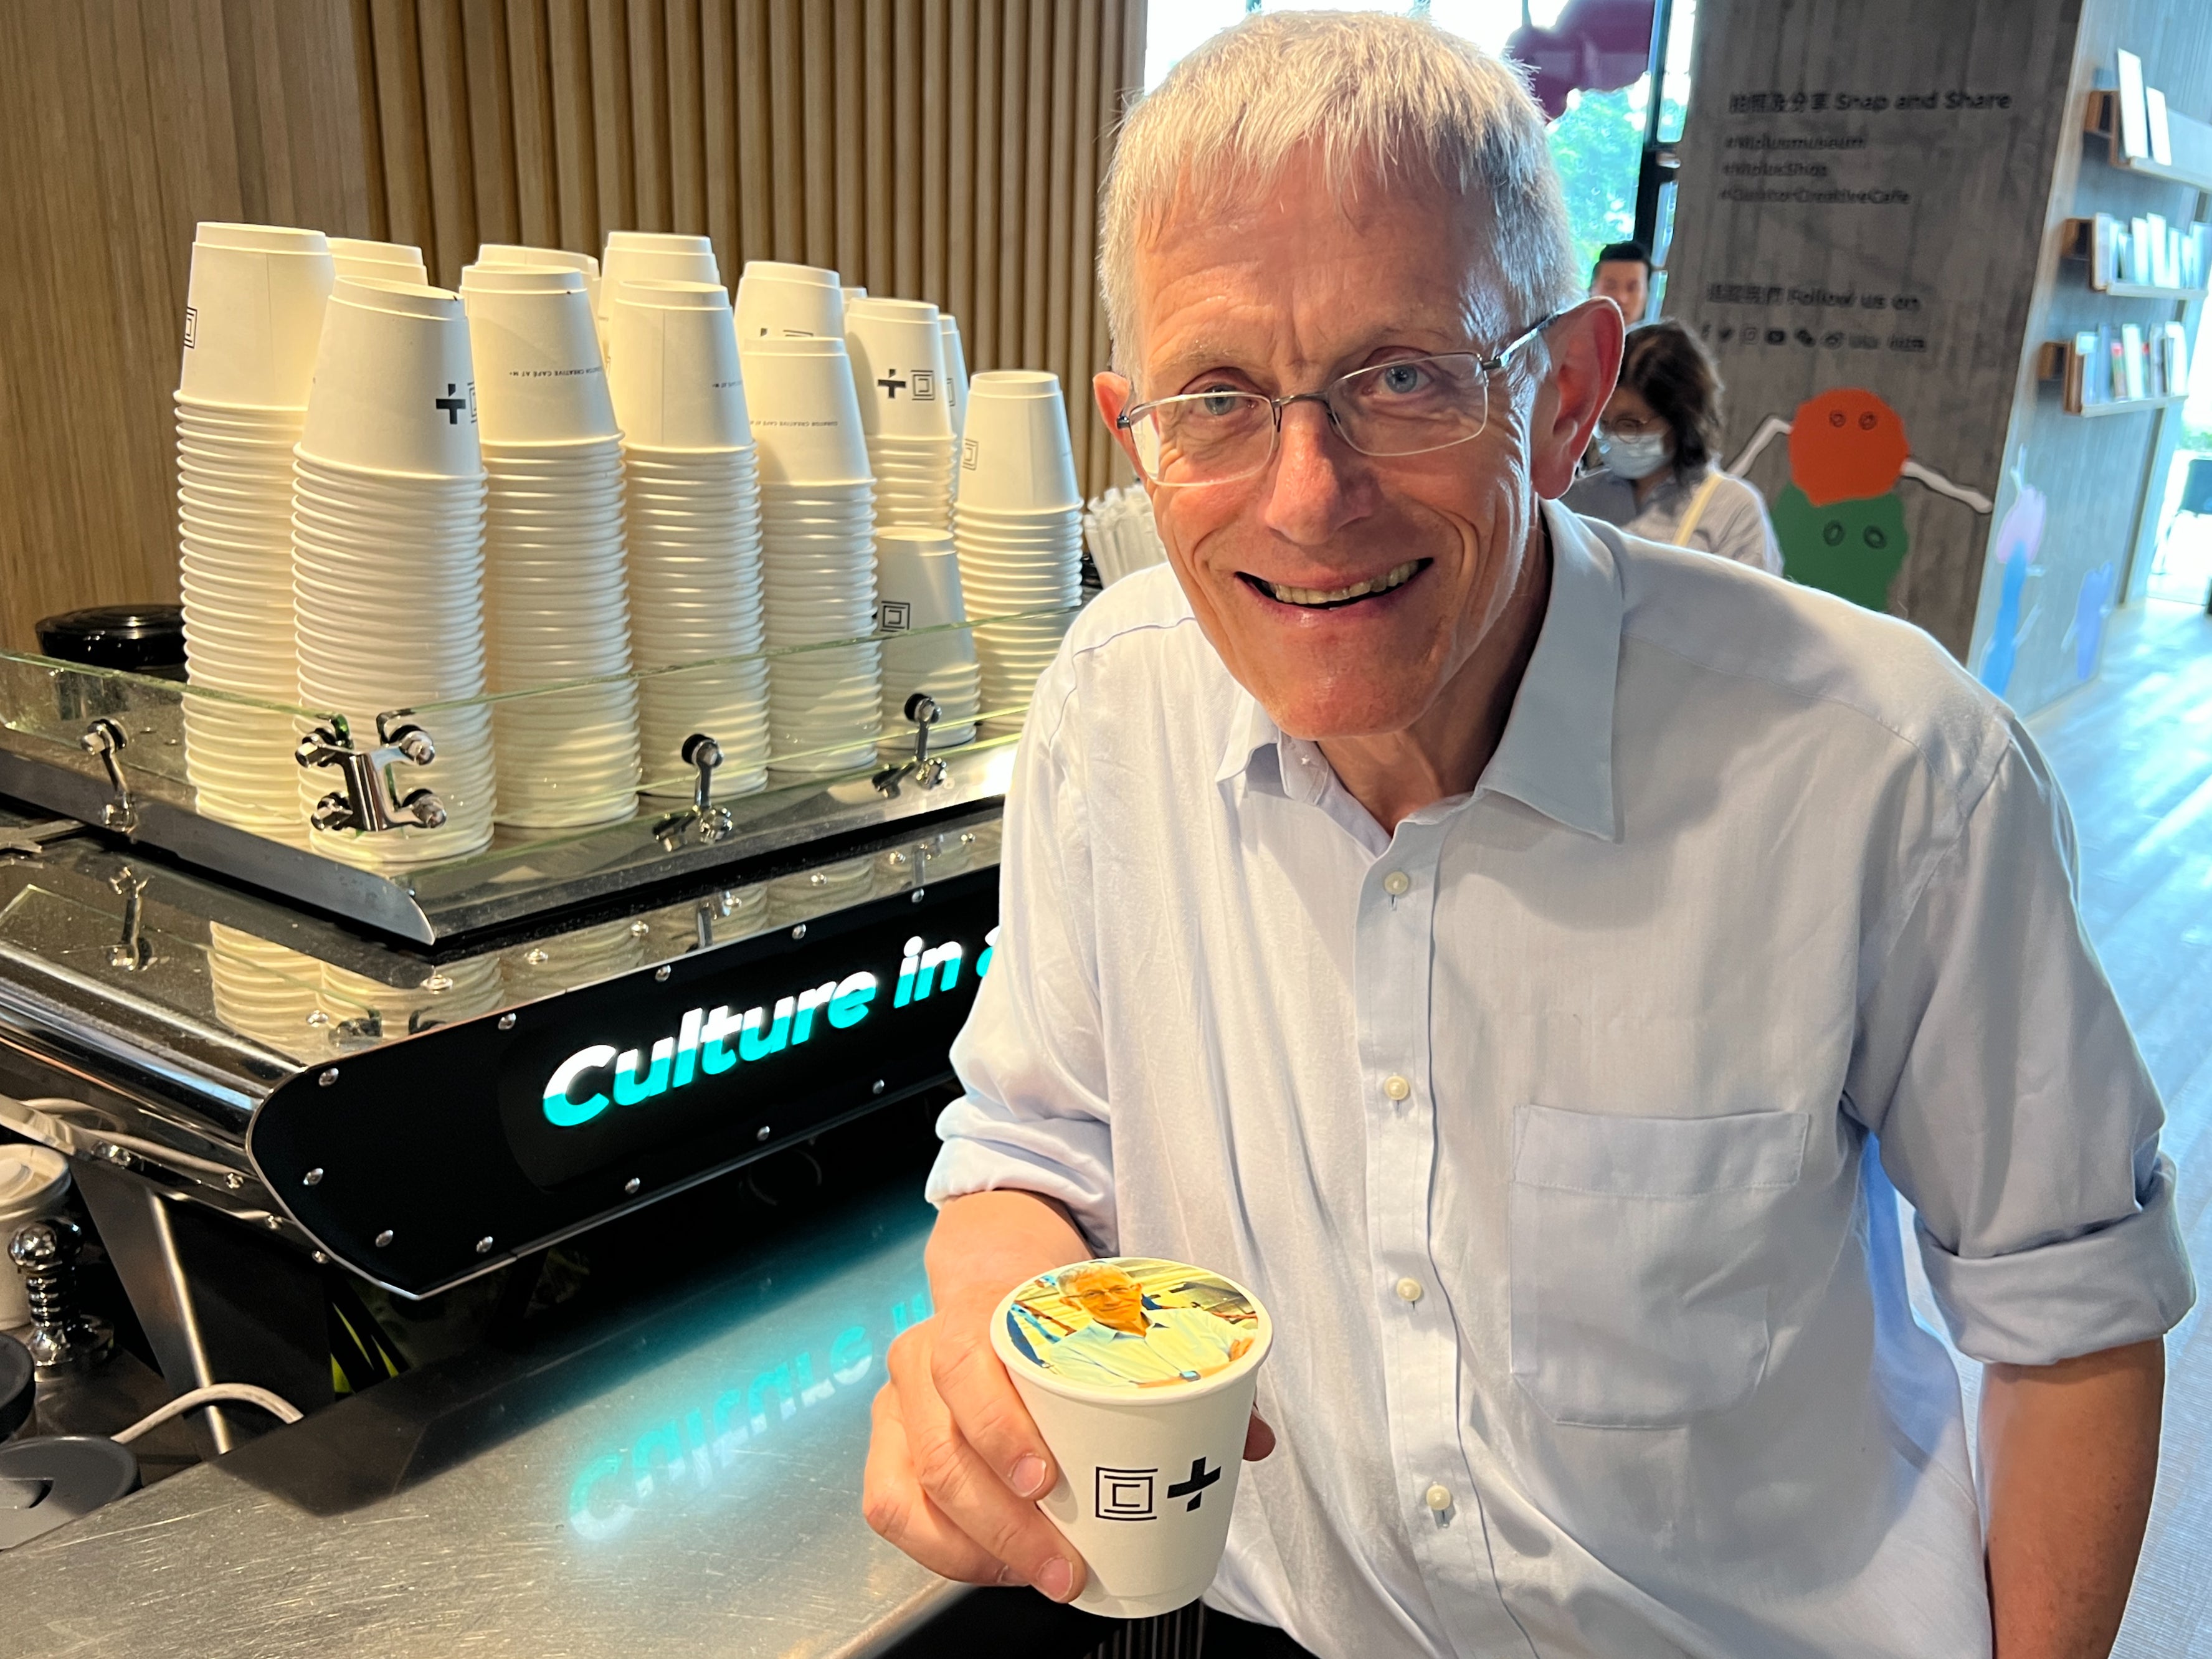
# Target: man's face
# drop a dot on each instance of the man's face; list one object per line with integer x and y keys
{"x": 1283, "y": 294}
{"x": 1114, "y": 1300}
{"x": 1627, "y": 285}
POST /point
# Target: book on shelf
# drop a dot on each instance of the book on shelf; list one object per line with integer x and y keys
{"x": 2131, "y": 360}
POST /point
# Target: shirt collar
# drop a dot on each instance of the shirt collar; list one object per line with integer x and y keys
{"x": 1556, "y": 755}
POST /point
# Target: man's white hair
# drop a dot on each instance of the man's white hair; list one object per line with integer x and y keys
{"x": 1375, "y": 98}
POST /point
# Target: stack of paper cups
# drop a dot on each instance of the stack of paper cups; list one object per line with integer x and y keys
{"x": 956, "y": 387}
{"x": 446, "y": 994}
{"x": 555, "y": 604}
{"x": 387, "y": 555}
{"x": 390, "y": 262}
{"x": 918, "y": 602}
{"x": 897, "y": 348}
{"x": 265, "y": 990}
{"x": 1018, "y": 528}
{"x": 694, "y": 535}
{"x": 782, "y": 301}
{"x": 795, "y": 899}
{"x": 651, "y": 256}
{"x": 817, "y": 556}
{"x": 253, "y": 315}
{"x": 519, "y": 255}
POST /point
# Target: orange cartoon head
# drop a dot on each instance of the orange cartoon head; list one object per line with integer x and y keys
{"x": 1846, "y": 445}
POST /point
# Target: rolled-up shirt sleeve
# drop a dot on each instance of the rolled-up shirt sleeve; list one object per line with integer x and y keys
{"x": 2012, "y": 1108}
{"x": 1030, "y": 1061}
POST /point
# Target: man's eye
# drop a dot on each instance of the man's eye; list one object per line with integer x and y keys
{"x": 1401, "y": 379}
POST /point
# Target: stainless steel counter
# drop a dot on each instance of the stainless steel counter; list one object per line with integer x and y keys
{"x": 682, "y": 1481}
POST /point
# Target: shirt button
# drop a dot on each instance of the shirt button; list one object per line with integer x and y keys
{"x": 1396, "y": 1087}
{"x": 1438, "y": 1498}
{"x": 1410, "y": 1289}
{"x": 1397, "y": 883}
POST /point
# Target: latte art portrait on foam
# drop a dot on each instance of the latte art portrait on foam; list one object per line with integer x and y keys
{"x": 1130, "y": 1322}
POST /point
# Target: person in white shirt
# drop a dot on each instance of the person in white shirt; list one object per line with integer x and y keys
{"x": 1126, "y": 1344}
{"x": 1658, "y": 476}
{"x": 1535, "y": 960}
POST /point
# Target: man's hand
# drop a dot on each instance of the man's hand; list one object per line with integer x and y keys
{"x": 2069, "y": 1453}
{"x": 956, "y": 1466}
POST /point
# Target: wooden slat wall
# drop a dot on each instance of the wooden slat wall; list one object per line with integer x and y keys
{"x": 940, "y": 150}
{"x": 948, "y": 150}
{"x": 125, "y": 123}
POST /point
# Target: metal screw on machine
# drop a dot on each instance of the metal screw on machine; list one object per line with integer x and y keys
{"x": 713, "y": 823}
{"x": 63, "y": 1337}
{"x": 106, "y": 739}
{"x": 926, "y": 770}
{"x": 368, "y": 800}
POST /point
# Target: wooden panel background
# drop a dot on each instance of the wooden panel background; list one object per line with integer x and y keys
{"x": 947, "y": 150}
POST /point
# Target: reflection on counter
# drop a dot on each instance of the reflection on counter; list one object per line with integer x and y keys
{"x": 684, "y": 1461}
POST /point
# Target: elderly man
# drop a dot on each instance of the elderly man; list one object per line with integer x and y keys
{"x": 1527, "y": 955}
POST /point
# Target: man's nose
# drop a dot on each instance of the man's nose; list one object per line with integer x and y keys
{"x": 1319, "y": 482}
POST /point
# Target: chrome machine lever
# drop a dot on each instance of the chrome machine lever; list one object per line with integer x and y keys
{"x": 928, "y": 769}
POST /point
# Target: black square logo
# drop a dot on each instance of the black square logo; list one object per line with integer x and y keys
{"x": 1125, "y": 1494}
{"x": 925, "y": 385}
{"x": 192, "y": 327}
{"x": 895, "y": 615}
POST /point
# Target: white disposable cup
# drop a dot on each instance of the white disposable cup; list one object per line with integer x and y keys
{"x": 898, "y": 353}
{"x": 392, "y": 390}
{"x": 806, "y": 415}
{"x": 393, "y": 261}
{"x": 519, "y": 255}
{"x": 1016, "y": 451}
{"x": 956, "y": 368}
{"x": 253, "y": 313}
{"x": 535, "y": 350}
{"x": 1121, "y": 1452}
{"x": 677, "y": 386}
{"x": 777, "y": 301}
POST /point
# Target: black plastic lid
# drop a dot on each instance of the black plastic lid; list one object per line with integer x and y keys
{"x": 138, "y": 639}
{"x": 18, "y": 1383}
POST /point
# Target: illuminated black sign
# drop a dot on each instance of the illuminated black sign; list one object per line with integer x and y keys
{"x": 423, "y": 1161}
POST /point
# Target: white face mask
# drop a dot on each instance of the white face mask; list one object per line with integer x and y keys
{"x": 1632, "y": 458}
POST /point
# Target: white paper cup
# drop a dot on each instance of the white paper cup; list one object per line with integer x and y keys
{"x": 520, "y": 256}
{"x": 956, "y": 368}
{"x": 676, "y": 384}
{"x": 806, "y": 415}
{"x": 653, "y": 256}
{"x": 393, "y": 388}
{"x": 392, "y": 261}
{"x": 1147, "y": 1474}
{"x": 1016, "y": 452}
{"x": 536, "y": 351}
{"x": 253, "y": 313}
{"x": 777, "y": 301}
{"x": 898, "y": 352}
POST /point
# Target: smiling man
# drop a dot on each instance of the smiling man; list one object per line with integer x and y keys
{"x": 1527, "y": 956}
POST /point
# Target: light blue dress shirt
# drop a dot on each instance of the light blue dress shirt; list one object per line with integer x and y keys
{"x": 1544, "y": 1126}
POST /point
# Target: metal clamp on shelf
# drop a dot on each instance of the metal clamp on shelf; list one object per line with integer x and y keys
{"x": 107, "y": 739}
{"x": 928, "y": 770}
{"x": 715, "y": 824}
{"x": 368, "y": 801}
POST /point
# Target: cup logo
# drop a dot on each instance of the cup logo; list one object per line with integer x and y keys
{"x": 968, "y": 454}
{"x": 1124, "y": 1494}
{"x": 895, "y": 616}
{"x": 191, "y": 327}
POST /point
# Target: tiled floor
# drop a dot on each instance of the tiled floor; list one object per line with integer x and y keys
{"x": 2134, "y": 750}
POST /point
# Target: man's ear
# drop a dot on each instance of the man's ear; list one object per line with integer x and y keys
{"x": 1113, "y": 393}
{"x": 1585, "y": 350}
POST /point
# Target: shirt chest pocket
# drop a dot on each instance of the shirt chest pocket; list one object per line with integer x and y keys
{"x": 1642, "y": 1249}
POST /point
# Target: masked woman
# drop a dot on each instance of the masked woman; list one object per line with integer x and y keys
{"x": 1658, "y": 476}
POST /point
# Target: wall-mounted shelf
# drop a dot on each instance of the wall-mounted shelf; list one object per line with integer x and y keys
{"x": 2129, "y": 406}
{"x": 2057, "y": 361}
{"x": 2191, "y": 143}
{"x": 2075, "y": 237}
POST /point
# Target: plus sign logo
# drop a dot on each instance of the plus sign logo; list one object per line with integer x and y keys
{"x": 451, "y": 405}
{"x": 892, "y": 386}
{"x": 1194, "y": 1488}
